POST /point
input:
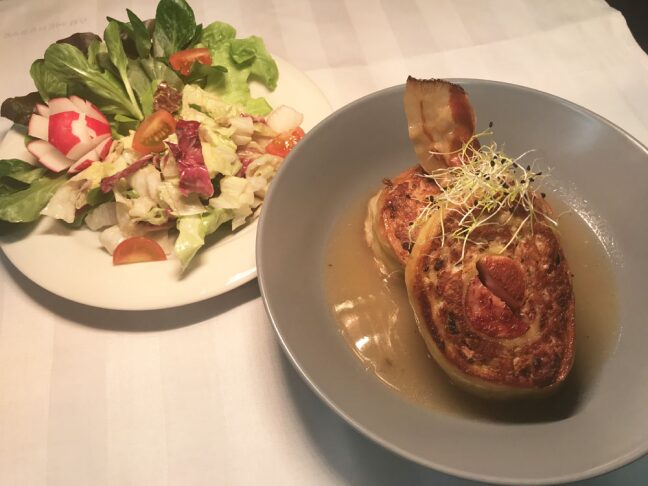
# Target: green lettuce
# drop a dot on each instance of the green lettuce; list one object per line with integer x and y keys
{"x": 245, "y": 60}
{"x": 20, "y": 171}
{"x": 24, "y": 191}
{"x": 175, "y": 27}
{"x": 193, "y": 230}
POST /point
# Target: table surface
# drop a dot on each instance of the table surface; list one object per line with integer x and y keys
{"x": 203, "y": 394}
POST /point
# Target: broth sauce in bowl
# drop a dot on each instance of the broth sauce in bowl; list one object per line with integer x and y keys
{"x": 375, "y": 318}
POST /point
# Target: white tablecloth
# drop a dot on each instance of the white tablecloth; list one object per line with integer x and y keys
{"x": 203, "y": 394}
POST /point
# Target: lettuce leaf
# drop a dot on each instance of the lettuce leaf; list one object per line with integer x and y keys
{"x": 193, "y": 230}
{"x": 145, "y": 75}
{"x": 219, "y": 153}
{"x": 245, "y": 59}
{"x": 118, "y": 57}
{"x": 175, "y": 27}
{"x": 217, "y": 32}
{"x": 251, "y": 52}
{"x": 238, "y": 197}
{"x": 19, "y": 109}
{"x": 25, "y": 205}
{"x": 70, "y": 65}
{"x": 20, "y": 171}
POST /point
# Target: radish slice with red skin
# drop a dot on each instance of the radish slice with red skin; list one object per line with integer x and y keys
{"x": 38, "y": 127}
{"x": 98, "y": 127}
{"x": 42, "y": 110}
{"x": 82, "y": 164}
{"x": 94, "y": 112}
{"x": 69, "y": 132}
{"x": 84, "y": 106}
{"x": 61, "y": 133}
{"x": 95, "y": 120}
{"x": 80, "y": 104}
{"x": 48, "y": 155}
{"x": 73, "y": 132}
{"x": 80, "y": 129}
{"x": 96, "y": 154}
{"x": 104, "y": 148}
{"x": 82, "y": 148}
{"x": 60, "y": 105}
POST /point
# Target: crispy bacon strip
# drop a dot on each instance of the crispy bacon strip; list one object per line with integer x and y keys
{"x": 440, "y": 120}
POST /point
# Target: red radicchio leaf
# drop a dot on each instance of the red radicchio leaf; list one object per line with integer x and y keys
{"x": 244, "y": 165}
{"x": 109, "y": 182}
{"x": 194, "y": 176}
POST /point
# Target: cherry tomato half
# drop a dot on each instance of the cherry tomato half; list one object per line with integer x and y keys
{"x": 152, "y": 131}
{"x": 283, "y": 143}
{"x": 182, "y": 61}
{"x": 137, "y": 249}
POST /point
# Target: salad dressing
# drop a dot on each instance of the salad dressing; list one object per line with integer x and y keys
{"x": 377, "y": 322}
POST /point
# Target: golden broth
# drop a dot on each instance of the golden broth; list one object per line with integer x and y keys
{"x": 376, "y": 320}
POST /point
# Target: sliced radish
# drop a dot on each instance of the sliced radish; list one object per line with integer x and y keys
{"x": 104, "y": 148}
{"x": 94, "y": 112}
{"x": 48, "y": 155}
{"x": 80, "y": 129}
{"x": 89, "y": 109}
{"x": 73, "y": 133}
{"x": 38, "y": 126}
{"x": 61, "y": 133}
{"x": 94, "y": 155}
{"x": 42, "y": 110}
{"x": 80, "y": 149}
{"x": 79, "y": 103}
{"x": 98, "y": 127}
{"x": 84, "y": 162}
{"x": 60, "y": 105}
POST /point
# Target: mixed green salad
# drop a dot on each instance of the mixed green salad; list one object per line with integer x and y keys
{"x": 149, "y": 135}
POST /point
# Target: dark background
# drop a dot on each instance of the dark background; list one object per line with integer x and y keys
{"x": 636, "y": 15}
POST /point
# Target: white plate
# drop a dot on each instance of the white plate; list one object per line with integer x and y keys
{"x": 72, "y": 263}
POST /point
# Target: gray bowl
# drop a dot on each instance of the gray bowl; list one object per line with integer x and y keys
{"x": 343, "y": 159}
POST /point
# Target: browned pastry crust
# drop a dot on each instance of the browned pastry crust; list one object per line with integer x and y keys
{"x": 500, "y": 322}
{"x": 391, "y": 213}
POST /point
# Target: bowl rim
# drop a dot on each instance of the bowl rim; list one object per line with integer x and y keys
{"x": 591, "y": 472}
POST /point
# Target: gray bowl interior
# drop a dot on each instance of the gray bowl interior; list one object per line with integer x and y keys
{"x": 345, "y": 158}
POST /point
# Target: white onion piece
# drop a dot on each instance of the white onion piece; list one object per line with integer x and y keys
{"x": 102, "y": 216}
{"x": 110, "y": 238}
{"x": 284, "y": 119}
{"x": 243, "y": 128}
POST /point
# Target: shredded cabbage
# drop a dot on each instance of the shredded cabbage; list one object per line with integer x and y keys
{"x": 192, "y": 232}
{"x": 102, "y": 216}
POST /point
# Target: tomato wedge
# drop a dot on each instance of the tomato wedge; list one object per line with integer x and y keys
{"x": 137, "y": 249}
{"x": 283, "y": 143}
{"x": 152, "y": 131}
{"x": 182, "y": 61}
